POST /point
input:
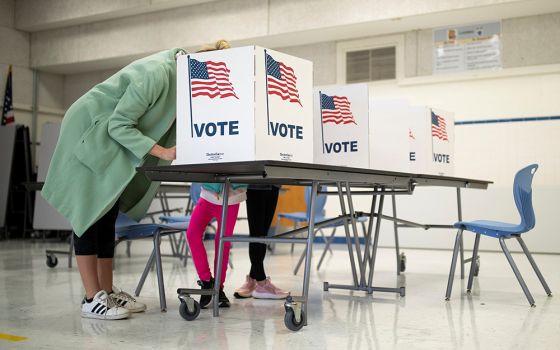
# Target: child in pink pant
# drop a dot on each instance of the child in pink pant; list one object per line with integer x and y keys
{"x": 209, "y": 207}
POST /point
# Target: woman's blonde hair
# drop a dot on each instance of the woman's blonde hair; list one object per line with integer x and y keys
{"x": 218, "y": 45}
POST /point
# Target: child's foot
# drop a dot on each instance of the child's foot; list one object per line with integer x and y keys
{"x": 123, "y": 299}
{"x": 103, "y": 307}
{"x": 246, "y": 290}
{"x": 266, "y": 290}
{"x": 205, "y": 299}
{"x": 223, "y": 300}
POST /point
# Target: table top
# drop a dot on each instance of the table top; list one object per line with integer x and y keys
{"x": 293, "y": 173}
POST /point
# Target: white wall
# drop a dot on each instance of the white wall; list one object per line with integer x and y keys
{"x": 15, "y": 50}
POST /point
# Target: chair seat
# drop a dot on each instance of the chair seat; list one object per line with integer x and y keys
{"x": 175, "y": 218}
{"x": 136, "y": 231}
{"x": 295, "y": 216}
{"x": 490, "y": 228}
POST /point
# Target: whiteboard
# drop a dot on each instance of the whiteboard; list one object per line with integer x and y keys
{"x": 45, "y": 216}
{"x": 7, "y": 142}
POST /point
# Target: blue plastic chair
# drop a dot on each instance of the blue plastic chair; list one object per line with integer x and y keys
{"x": 127, "y": 229}
{"x": 195, "y": 196}
{"x": 300, "y": 218}
{"x": 522, "y": 193}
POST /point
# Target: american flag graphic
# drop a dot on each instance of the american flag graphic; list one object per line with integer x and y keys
{"x": 439, "y": 129}
{"x": 210, "y": 79}
{"x": 336, "y": 109}
{"x": 281, "y": 80}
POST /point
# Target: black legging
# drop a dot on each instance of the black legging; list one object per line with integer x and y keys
{"x": 99, "y": 238}
{"x": 261, "y": 204}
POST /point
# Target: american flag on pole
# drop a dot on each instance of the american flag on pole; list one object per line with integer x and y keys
{"x": 336, "y": 109}
{"x": 281, "y": 80}
{"x": 439, "y": 129}
{"x": 210, "y": 79}
{"x": 8, "y": 110}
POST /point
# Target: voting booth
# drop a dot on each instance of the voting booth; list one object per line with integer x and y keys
{"x": 416, "y": 139}
{"x": 244, "y": 104}
{"x": 341, "y": 125}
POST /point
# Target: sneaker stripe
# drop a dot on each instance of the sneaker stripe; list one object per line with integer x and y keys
{"x": 102, "y": 310}
{"x": 94, "y": 310}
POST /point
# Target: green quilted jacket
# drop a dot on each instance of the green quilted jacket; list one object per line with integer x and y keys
{"x": 106, "y": 134}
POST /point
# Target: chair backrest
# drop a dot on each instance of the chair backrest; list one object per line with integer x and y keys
{"x": 522, "y": 193}
{"x": 123, "y": 221}
{"x": 196, "y": 187}
{"x": 321, "y": 201}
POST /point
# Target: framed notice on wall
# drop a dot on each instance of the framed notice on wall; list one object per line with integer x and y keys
{"x": 466, "y": 48}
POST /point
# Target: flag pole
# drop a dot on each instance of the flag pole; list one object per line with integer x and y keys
{"x": 190, "y": 92}
{"x": 322, "y": 132}
{"x": 266, "y": 82}
{"x": 432, "y": 133}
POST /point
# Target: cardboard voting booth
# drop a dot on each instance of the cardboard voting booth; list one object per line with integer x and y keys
{"x": 432, "y": 141}
{"x": 340, "y": 125}
{"x": 416, "y": 139}
{"x": 244, "y": 104}
{"x": 389, "y": 135}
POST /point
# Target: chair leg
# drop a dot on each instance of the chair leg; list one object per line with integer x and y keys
{"x": 147, "y": 269}
{"x": 462, "y": 255}
{"x": 187, "y": 254}
{"x": 327, "y": 247}
{"x": 453, "y": 264}
{"x": 325, "y": 239}
{"x": 159, "y": 272}
{"x": 473, "y": 262}
{"x": 517, "y": 273}
{"x": 534, "y": 265}
{"x": 292, "y": 248}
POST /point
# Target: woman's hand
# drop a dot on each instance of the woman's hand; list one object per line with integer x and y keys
{"x": 163, "y": 153}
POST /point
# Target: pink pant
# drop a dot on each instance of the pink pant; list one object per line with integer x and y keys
{"x": 203, "y": 213}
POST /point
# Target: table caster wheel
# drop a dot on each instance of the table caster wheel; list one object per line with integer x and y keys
{"x": 189, "y": 312}
{"x": 290, "y": 320}
{"x": 52, "y": 261}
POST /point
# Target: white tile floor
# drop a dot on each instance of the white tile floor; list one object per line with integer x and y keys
{"x": 42, "y": 304}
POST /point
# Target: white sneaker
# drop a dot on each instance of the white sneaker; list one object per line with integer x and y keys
{"x": 103, "y": 307}
{"x": 125, "y": 300}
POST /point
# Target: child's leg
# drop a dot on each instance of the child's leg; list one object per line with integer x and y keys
{"x": 201, "y": 216}
{"x": 230, "y": 225}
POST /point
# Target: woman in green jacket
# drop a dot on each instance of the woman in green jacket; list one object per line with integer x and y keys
{"x": 120, "y": 124}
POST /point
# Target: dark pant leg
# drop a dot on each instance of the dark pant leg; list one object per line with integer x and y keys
{"x": 99, "y": 239}
{"x": 261, "y": 205}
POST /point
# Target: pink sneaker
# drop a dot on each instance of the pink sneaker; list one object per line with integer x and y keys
{"x": 246, "y": 289}
{"x": 267, "y": 290}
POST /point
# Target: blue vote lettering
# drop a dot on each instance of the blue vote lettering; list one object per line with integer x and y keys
{"x": 441, "y": 158}
{"x": 345, "y": 146}
{"x": 219, "y": 128}
{"x": 286, "y": 130}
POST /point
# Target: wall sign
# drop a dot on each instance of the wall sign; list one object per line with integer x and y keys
{"x": 466, "y": 48}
